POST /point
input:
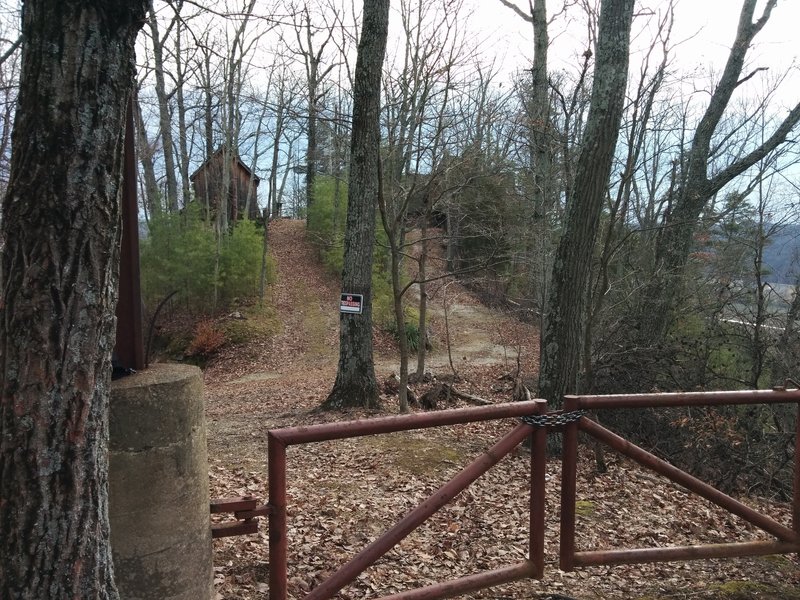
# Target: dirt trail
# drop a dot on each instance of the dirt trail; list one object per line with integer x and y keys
{"x": 346, "y": 492}
{"x": 275, "y": 381}
{"x": 306, "y": 299}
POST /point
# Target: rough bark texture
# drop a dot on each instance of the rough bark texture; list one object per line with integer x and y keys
{"x": 561, "y": 348}
{"x": 59, "y": 271}
{"x": 355, "y": 379}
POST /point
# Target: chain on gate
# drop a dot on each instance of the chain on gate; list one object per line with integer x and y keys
{"x": 554, "y": 419}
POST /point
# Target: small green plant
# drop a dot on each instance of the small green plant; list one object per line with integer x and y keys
{"x": 412, "y": 334}
{"x": 584, "y": 508}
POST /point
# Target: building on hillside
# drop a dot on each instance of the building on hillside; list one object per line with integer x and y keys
{"x": 208, "y": 183}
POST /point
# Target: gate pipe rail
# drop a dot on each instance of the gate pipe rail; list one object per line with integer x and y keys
{"x": 279, "y": 440}
{"x": 691, "y": 483}
{"x": 348, "y": 572}
{"x": 788, "y": 538}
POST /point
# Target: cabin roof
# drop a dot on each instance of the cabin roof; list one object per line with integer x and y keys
{"x": 239, "y": 163}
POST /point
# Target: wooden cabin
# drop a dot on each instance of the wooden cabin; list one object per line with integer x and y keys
{"x": 208, "y": 185}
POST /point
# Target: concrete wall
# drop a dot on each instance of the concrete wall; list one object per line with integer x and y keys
{"x": 158, "y": 480}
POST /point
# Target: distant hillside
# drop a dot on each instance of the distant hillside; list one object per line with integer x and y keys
{"x": 783, "y": 255}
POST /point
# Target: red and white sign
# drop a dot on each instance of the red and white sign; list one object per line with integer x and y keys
{"x": 352, "y": 303}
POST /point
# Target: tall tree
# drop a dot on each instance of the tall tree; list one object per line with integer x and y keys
{"x": 355, "y": 383}
{"x": 540, "y": 152}
{"x": 164, "y": 110}
{"x": 9, "y": 77}
{"x": 420, "y": 97}
{"x": 59, "y": 277}
{"x": 696, "y": 186}
{"x": 564, "y": 318}
{"x": 312, "y": 52}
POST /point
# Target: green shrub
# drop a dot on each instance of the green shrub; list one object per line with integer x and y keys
{"x": 328, "y": 214}
{"x": 411, "y": 317}
{"x": 180, "y": 253}
{"x": 240, "y": 262}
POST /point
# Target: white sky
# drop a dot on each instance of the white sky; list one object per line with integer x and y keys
{"x": 707, "y": 26}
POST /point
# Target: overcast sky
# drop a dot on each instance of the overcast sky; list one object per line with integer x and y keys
{"x": 706, "y": 26}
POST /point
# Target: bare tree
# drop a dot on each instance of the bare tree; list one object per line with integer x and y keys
{"x": 312, "y": 51}
{"x": 418, "y": 100}
{"x": 9, "y": 87}
{"x": 145, "y": 151}
{"x": 355, "y": 383}
{"x": 564, "y": 319}
{"x": 541, "y": 152}
{"x": 164, "y": 112}
{"x": 696, "y": 186}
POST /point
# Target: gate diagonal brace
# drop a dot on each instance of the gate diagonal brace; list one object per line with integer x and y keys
{"x": 245, "y": 509}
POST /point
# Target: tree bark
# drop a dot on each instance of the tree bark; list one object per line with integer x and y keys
{"x": 59, "y": 290}
{"x": 422, "y": 274}
{"x": 541, "y": 153}
{"x": 564, "y": 320}
{"x": 355, "y": 378}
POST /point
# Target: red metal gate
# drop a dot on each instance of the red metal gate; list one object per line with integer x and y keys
{"x": 787, "y": 539}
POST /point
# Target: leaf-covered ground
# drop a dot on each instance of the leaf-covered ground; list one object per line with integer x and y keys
{"x": 344, "y": 494}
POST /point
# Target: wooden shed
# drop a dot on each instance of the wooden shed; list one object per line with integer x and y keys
{"x": 208, "y": 185}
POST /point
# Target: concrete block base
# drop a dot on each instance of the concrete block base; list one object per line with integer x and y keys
{"x": 158, "y": 486}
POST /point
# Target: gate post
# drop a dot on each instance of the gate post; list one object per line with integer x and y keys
{"x": 569, "y": 471}
{"x": 278, "y": 550}
{"x": 538, "y": 476}
{"x": 796, "y": 491}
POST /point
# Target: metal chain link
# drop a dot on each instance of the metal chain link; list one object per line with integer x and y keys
{"x": 554, "y": 419}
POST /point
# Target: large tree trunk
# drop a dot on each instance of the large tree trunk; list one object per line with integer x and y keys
{"x": 355, "y": 379}
{"x": 61, "y": 224}
{"x": 564, "y": 320}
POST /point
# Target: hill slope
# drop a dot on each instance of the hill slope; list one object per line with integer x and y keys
{"x": 344, "y": 493}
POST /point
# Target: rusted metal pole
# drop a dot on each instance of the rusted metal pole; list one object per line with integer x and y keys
{"x": 796, "y": 491}
{"x": 691, "y": 483}
{"x": 689, "y": 399}
{"x": 465, "y": 585}
{"x": 537, "y": 506}
{"x": 129, "y": 343}
{"x": 278, "y": 543}
{"x": 569, "y": 473}
{"x": 362, "y": 427}
{"x": 348, "y": 572}
{"x": 644, "y": 555}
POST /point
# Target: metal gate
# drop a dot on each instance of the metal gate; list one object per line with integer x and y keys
{"x": 535, "y": 422}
